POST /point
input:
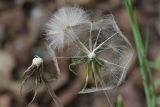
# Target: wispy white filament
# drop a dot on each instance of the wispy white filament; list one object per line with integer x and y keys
{"x": 53, "y": 55}
{"x": 59, "y": 27}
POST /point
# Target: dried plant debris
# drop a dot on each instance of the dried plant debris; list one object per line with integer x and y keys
{"x": 100, "y": 46}
{"x": 36, "y": 71}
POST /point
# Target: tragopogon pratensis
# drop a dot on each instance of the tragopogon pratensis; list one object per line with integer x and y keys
{"x": 99, "y": 47}
{"x": 99, "y": 44}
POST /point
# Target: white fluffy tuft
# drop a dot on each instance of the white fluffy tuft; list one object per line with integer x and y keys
{"x": 37, "y": 61}
{"x": 59, "y": 30}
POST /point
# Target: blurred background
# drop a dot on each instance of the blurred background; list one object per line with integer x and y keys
{"x": 22, "y": 37}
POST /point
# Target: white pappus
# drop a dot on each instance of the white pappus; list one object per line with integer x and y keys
{"x": 59, "y": 28}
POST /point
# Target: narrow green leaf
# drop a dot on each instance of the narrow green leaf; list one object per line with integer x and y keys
{"x": 37, "y": 83}
{"x": 87, "y": 78}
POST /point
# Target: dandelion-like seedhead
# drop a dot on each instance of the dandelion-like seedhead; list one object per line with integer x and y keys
{"x": 59, "y": 27}
{"x": 109, "y": 55}
{"x": 100, "y": 47}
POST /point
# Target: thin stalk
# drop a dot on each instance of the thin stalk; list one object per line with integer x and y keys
{"x": 120, "y": 102}
{"x": 82, "y": 46}
{"x": 144, "y": 66}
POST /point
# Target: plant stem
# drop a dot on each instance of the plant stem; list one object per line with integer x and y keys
{"x": 120, "y": 102}
{"x": 82, "y": 46}
{"x": 144, "y": 66}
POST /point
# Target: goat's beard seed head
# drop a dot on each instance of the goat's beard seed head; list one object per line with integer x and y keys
{"x": 59, "y": 27}
{"x": 98, "y": 41}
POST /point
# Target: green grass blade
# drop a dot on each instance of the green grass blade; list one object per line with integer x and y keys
{"x": 144, "y": 65}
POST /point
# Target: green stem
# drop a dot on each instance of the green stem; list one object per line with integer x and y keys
{"x": 144, "y": 66}
{"x": 120, "y": 102}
